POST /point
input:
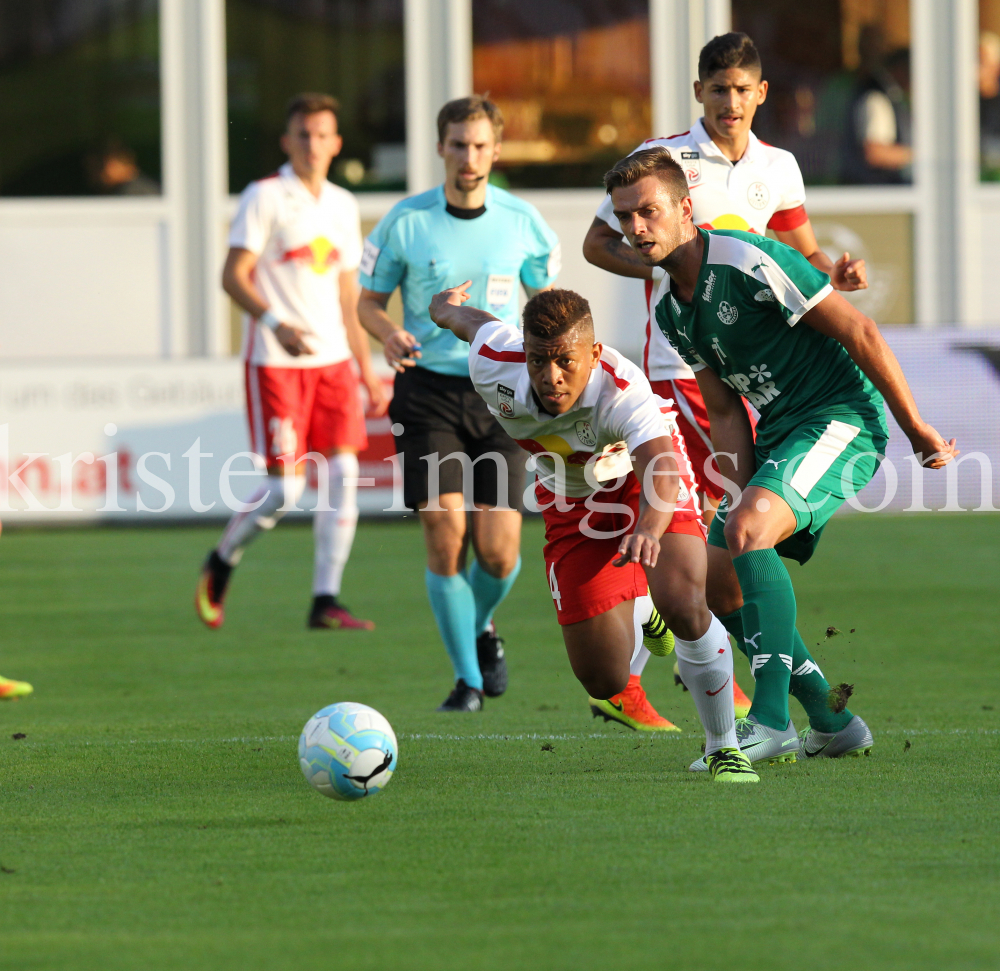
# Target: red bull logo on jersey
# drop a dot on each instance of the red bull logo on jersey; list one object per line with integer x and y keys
{"x": 728, "y": 220}
{"x": 318, "y": 256}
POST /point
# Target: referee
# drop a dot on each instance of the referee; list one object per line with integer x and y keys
{"x": 464, "y": 230}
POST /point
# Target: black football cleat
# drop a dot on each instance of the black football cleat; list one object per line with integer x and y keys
{"x": 492, "y": 662}
{"x": 463, "y": 698}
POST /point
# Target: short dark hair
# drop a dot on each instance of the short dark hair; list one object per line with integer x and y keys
{"x": 650, "y": 161}
{"x": 552, "y": 313}
{"x": 735, "y": 49}
{"x": 468, "y": 109}
{"x": 311, "y": 103}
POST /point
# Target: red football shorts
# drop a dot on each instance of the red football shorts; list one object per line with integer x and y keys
{"x": 692, "y": 420}
{"x": 578, "y": 559}
{"x": 299, "y": 410}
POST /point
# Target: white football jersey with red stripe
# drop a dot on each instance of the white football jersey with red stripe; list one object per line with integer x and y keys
{"x": 302, "y": 245}
{"x": 616, "y": 413}
{"x": 763, "y": 190}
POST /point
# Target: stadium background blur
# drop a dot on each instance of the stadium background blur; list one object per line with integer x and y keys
{"x": 128, "y": 128}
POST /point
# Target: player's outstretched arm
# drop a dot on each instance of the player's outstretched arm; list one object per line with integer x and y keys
{"x": 656, "y": 468}
{"x": 448, "y": 312}
{"x": 836, "y": 318}
{"x": 732, "y": 434}
{"x": 607, "y": 249}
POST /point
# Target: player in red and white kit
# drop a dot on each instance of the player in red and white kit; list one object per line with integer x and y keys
{"x": 736, "y": 182}
{"x": 295, "y": 246}
{"x": 587, "y": 415}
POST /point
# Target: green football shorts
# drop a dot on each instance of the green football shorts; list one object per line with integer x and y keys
{"x": 814, "y": 469}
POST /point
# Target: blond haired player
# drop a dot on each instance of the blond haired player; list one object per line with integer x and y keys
{"x": 736, "y": 181}
{"x": 609, "y": 530}
{"x": 295, "y": 247}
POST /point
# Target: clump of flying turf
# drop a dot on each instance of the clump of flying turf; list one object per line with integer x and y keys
{"x": 831, "y": 631}
{"x": 839, "y": 696}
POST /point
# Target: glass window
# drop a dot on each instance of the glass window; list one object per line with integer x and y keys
{"x": 79, "y": 98}
{"x": 352, "y": 49}
{"x": 839, "y": 77}
{"x": 989, "y": 90}
{"x": 572, "y": 80}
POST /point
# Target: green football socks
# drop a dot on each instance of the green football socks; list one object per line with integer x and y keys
{"x": 768, "y": 626}
{"x": 812, "y": 690}
{"x": 807, "y": 684}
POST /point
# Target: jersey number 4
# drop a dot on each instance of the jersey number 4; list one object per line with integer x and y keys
{"x": 554, "y": 587}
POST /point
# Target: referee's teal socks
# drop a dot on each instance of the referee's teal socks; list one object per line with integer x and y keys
{"x": 489, "y": 591}
{"x": 454, "y": 607}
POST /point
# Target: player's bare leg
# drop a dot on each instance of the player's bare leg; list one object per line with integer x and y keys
{"x": 333, "y": 537}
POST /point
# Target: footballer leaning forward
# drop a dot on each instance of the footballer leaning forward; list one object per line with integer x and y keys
{"x": 464, "y": 229}
{"x": 612, "y": 533}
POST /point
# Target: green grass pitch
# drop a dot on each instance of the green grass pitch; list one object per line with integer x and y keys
{"x": 155, "y": 816}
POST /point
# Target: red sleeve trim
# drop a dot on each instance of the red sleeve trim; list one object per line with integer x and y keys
{"x": 514, "y": 357}
{"x": 788, "y": 219}
{"x": 620, "y": 383}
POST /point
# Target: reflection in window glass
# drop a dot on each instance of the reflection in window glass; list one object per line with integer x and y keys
{"x": 572, "y": 80}
{"x": 352, "y": 49}
{"x": 79, "y": 98}
{"x": 839, "y": 76}
{"x": 989, "y": 90}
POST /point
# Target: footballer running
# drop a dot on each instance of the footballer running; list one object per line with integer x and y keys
{"x": 613, "y": 535}
{"x": 754, "y": 319}
{"x": 736, "y": 181}
{"x": 294, "y": 249}
{"x": 464, "y": 229}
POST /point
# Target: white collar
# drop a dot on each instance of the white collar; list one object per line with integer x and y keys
{"x": 297, "y": 186}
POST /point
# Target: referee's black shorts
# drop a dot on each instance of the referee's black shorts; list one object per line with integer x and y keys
{"x": 441, "y": 414}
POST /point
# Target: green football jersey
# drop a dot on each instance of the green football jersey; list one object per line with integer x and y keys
{"x": 750, "y": 294}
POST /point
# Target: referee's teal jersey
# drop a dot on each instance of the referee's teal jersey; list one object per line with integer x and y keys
{"x": 423, "y": 249}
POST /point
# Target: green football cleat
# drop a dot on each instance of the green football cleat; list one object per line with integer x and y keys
{"x": 731, "y": 765}
{"x": 656, "y": 637}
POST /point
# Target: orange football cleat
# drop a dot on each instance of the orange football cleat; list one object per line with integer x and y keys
{"x": 631, "y": 708}
{"x": 211, "y": 591}
{"x": 12, "y": 690}
{"x": 741, "y": 703}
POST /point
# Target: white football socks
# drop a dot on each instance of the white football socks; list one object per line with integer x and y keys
{"x": 706, "y": 667}
{"x": 333, "y": 531}
{"x": 640, "y": 615}
{"x": 245, "y": 527}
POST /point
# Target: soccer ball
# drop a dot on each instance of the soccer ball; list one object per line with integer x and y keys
{"x": 348, "y": 751}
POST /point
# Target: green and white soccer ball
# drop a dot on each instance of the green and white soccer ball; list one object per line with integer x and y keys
{"x": 348, "y": 751}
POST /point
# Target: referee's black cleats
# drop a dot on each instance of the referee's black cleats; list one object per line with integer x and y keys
{"x": 492, "y": 662}
{"x": 463, "y": 698}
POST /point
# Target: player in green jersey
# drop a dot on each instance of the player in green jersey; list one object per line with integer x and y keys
{"x": 753, "y": 318}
